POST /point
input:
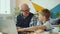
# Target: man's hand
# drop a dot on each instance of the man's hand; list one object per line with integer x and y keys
{"x": 18, "y": 27}
{"x": 20, "y": 30}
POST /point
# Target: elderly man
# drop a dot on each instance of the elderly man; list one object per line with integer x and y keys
{"x": 24, "y": 18}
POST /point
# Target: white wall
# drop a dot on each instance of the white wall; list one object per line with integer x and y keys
{"x": 4, "y": 6}
{"x": 49, "y": 4}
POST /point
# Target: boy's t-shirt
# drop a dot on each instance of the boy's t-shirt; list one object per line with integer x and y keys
{"x": 47, "y": 24}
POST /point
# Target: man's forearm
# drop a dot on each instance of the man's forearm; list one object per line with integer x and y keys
{"x": 35, "y": 27}
{"x": 18, "y": 27}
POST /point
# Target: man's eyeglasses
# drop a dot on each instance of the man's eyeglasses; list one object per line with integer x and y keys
{"x": 24, "y": 10}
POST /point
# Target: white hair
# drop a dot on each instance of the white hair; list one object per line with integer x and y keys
{"x": 21, "y": 5}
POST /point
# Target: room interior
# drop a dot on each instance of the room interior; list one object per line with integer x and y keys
{"x": 10, "y": 8}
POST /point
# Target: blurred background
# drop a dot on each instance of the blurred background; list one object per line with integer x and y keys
{"x": 9, "y": 9}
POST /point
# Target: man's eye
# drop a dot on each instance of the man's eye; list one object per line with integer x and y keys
{"x": 27, "y": 10}
{"x": 22, "y": 10}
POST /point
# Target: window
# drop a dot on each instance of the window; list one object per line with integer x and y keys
{"x": 4, "y": 6}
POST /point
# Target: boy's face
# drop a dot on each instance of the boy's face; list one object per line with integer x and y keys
{"x": 41, "y": 17}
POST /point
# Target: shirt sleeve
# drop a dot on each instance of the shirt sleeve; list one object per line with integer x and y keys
{"x": 33, "y": 21}
{"x": 48, "y": 25}
{"x": 17, "y": 21}
{"x": 39, "y": 22}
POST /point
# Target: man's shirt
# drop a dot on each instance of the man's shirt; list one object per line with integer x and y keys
{"x": 23, "y": 21}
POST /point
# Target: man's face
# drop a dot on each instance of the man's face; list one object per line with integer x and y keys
{"x": 25, "y": 10}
